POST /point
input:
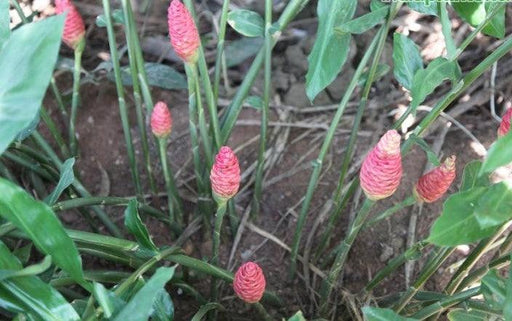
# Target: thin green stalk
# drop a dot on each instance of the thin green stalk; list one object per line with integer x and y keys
{"x": 76, "y": 96}
{"x": 411, "y": 253}
{"x": 392, "y": 210}
{"x": 19, "y": 11}
{"x": 207, "y": 86}
{"x": 472, "y": 259}
{"x": 52, "y": 128}
{"x": 219, "y": 216}
{"x": 446, "y": 27}
{"x": 173, "y": 198}
{"x": 35, "y": 167}
{"x": 219, "y": 61}
{"x": 438, "y": 258}
{"x": 77, "y": 185}
{"x": 228, "y": 121}
{"x": 479, "y": 273}
{"x": 131, "y": 34}
{"x": 258, "y": 178}
{"x": 317, "y": 164}
{"x": 58, "y": 97}
{"x": 121, "y": 97}
{"x": 203, "y": 130}
{"x": 445, "y": 303}
{"x": 339, "y": 262}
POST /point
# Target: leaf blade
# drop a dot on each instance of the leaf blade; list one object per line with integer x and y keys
{"x": 247, "y": 23}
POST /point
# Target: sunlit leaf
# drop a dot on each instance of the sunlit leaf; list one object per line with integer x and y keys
{"x": 163, "y": 308}
{"x": 297, "y": 317}
{"x": 67, "y": 177}
{"x": 469, "y": 315}
{"x": 378, "y": 314}
{"x": 108, "y": 301}
{"x": 365, "y": 22}
{"x": 475, "y": 12}
{"x": 406, "y": 59}
{"x": 27, "y": 271}
{"x": 247, "y": 23}
{"x": 495, "y": 207}
{"x": 134, "y": 224}
{"x": 429, "y": 7}
{"x": 499, "y": 154}
{"x": 470, "y": 176}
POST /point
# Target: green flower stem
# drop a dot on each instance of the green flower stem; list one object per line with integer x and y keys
{"x": 479, "y": 273}
{"x": 77, "y": 185}
{"x": 76, "y": 96}
{"x": 445, "y": 303}
{"x": 219, "y": 216}
{"x": 121, "y": 97}
{"x": 411, "y": 200}
{"x": 317, "y": 164}
{"x": 411, "y": 253}
{"x": 203, "y": 129}
{"x": 258, "y": 178}
{"x": 339, "y": 262}
{"x": 228, "y": 121}
{"x": 263, "y": 312}
{"x": 220, "y": 59}
{"x": 58, "y": 97}
{"x": 473, "y": 258}
{"x": 207, "y": 86}
{"x": 35, "y": 167}
{"x": 52, "y": 128}
{"x": 131, "y": 34}
{"x": 173, "y": 198}
{"x": 437, "y": 259}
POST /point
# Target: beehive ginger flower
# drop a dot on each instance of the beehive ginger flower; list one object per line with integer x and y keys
{"x": 225, "y": 175}
{"x": 249, "y": 282}
{"x": 161, "y": 120}
{"x": 431, "y": 186}
{"x": 74, "y": 28}
{"x": 505, "y": 123}
{"x": 182, "y": 32}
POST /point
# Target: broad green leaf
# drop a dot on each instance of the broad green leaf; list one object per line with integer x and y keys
{"x": 469, "y": 315}
{"x": 382, "y": 70}
{"x": 495, "y": 207}
{"x": 27, "y": 131}
{"x": 378, "y": 314}
{"x": 32, "y": 217}
{"x": 475, "y": 13}
{"x": 429, "y": 7}
{"x": 406, "y": 59}
{"x": 330, "y": 50}
{"x": 204, "y": 309}
{"x": 108, "y": 301}
{"x": 26, "y": 61}
{"x": 134, "y": 224}
{"x": 27, "y": 271}
{"x": 426, "y": 80}
{"x": 470, "y": 176}
{"x": 493, "y": 290}
{"x": 23, "y": 253}
{"x": 140, "y": 306}
{"x": 163, "y": 308}
{"x": 499, "y": 154}
{"x": 67, "y": 177}
{"x": 247, "y": 23}
{"x": 297, "y": 317}
{"x": 507, "y": 307}
{"x": 377, "y": 4}
{"x": 240, "y": 50}
{"x": 5, "y": 31}
{"x": 29, "y": 294}
{"x": 364, "y": 23}
{"x": 431, "y": 156}
{"x": 159, "y": 75}
{"x": 457, "y": 223}
{"x": 254, "y": 101}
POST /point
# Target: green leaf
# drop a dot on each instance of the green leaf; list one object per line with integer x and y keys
{"x": 469, "y": 315}
{"x": 330, "y": 50}
{"x": 475, "y": 12}
{"x": 495, "y": 207}
{"x": 23, "y": 253}
{"x": 426, "y": 80}
{"x": 297, "y": 317}
{"x": 377, "y": 4}
{"x": 26, "y": 61}
{"x": 27, "y": 131}
{"x": 108, "y": 301}
{"x": 430, "y": 7}
{"x": 493, "y": 290}
{"x": 5, "y": 31}
{"x": 364, "y": 23}
{"x": 507, "y": 307}
{"x": 254, "y": 101}
{"x": 247, "y": 23}
{"x": 117, "y": 17}
{"x": 140, "y": 306}
{"x": 32, "y": 217}
{"x": 29, "y": 294}
{"x": 470, "y": 176}
{"x": 134, "y": 224}
{"x": 499, "y": 154}
{"x": 382, "y": 70}
{"x": 431, "y": 156}
{"x": 204, "y": 309}
{"x": 159, "y": 75}
{"x": 406, "y": 59}
{"x": 28, "y": 271}
{"x": 67, "y": 177}
{"x": 238, "y": 51}
{"x": 163, "y": 308}
{"x": 457, "y": 223}
{"x": 377, "y": 314}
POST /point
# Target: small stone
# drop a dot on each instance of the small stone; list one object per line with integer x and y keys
{"x": 386, "y": 254}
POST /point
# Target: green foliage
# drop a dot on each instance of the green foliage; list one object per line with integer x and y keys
{"x": 4, "y": 22}
{"x": 134, "y": 224}
{"x": 475, "y": 13}
{"x": 498, "y": 155}
{"x": 117, "y": 18}
{"x": 247, "y": 23}
{"x": 467, "y": 315}
{"x": 67, "y": 177}
{"x": 365, "y": 22}
{"x": 32, "y": 217}
{"x": 331, "y": 49}
{"x": 495, "y": 207}
{"x": 431, "y": 156}
{"x": 297, "y": 317}
{"x": 159, "y": 75}
{"x": 382, "y": 70}
{"x": 108, "y": 301}
{"x": 426, "y": 6}
{"x": 406, "y": 59}
{"x": 378, "y": 314}
{"x": 26, "y": 59}
{"x": 34, "y": 269}
{"x": 203, "y": 310}
{"x": 470, "y": 177}
{"x": 240, "y": 50}
{"x": 493, "y": 290}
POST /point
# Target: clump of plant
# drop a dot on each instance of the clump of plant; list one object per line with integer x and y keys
{"x": 54, "y": 285}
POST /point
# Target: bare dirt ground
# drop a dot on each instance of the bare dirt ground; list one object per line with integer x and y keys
{"x": 297, "y": 132}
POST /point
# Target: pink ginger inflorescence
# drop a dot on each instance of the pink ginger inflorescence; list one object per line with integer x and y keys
{"x": 161, "y": 120}
{"x": 182, "y": 31}
{"x": 249, "y": 283}
{"x": 225, "y": 175}
{"x": 431, "y": 186}
{"x": 505, "y": 123}
{"x": 382, "y": 168}
{"x": 74, "y": 28}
